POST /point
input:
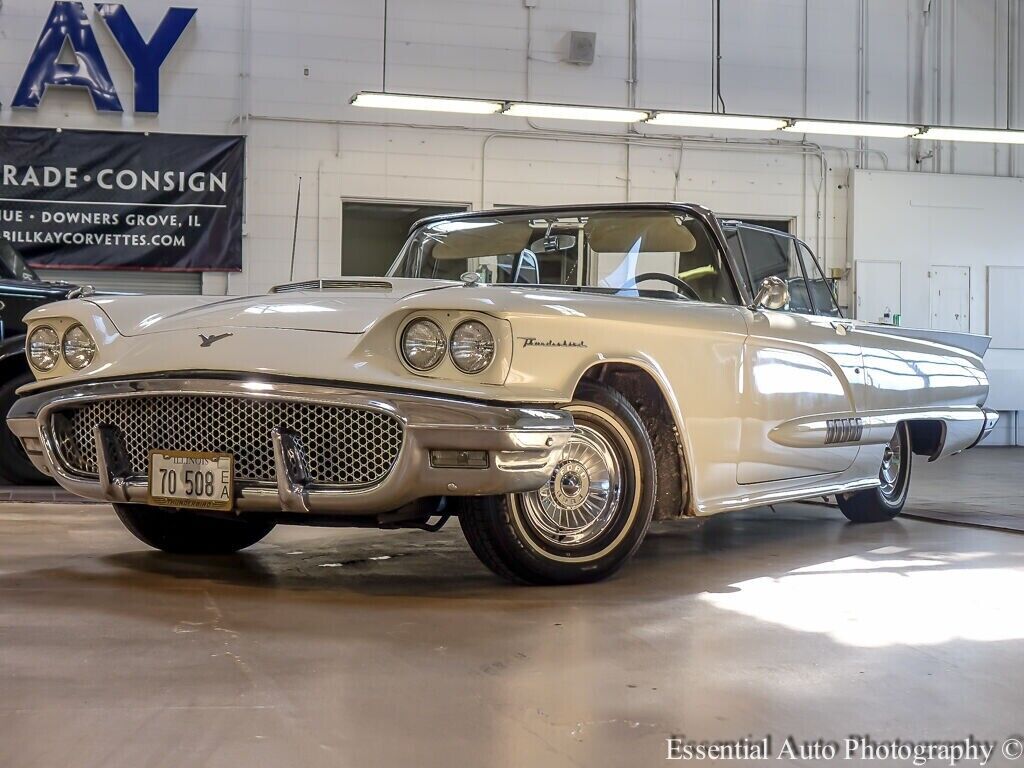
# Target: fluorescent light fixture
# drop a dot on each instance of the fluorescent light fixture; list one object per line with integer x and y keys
{"x": 725, "y": 122}
{"x": 879, "y": 130}
{"x": 567, "y": 112}
{"x": 426, "y": 103}
{"x": 992, "y": 135}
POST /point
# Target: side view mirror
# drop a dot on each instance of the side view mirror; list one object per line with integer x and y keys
{"x": 773, "y": 294}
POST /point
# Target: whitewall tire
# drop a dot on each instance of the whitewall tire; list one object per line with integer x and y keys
{"x": 590, "y": 517}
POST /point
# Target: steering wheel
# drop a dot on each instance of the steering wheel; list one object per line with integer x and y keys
{"x": 678, "y": 282}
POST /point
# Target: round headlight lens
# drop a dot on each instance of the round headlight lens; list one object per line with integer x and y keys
{"x": 44, "y": 348}
{"x": 423, "y": 344}
{"x": 472, "y": 347}
{"x": 79, "y": 348}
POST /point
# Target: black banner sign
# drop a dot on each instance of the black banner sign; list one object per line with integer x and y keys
{"x": 105, "y": 200}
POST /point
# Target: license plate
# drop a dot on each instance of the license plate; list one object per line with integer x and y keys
{"x": 191, "y": 479}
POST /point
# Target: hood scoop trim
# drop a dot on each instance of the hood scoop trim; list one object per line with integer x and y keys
{"x": 333, "y": 285}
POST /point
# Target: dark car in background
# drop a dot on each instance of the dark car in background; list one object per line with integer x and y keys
{"x": 21, "y": 291}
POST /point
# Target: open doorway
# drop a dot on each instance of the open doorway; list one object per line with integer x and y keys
{"x": 373, "y": 231}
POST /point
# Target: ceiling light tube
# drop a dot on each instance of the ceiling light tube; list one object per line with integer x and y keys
{"x": 725, "y": 122}
{"x": 873, "y": 130}
{"x": 426, "y": 103}
{"x": 991, "y": 135}
{"x": 569, "y": 112}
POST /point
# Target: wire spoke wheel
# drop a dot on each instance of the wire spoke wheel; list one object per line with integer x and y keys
{"x": 890, "y": 474}
{"x": 884, "y": 502}
{"x": 583, "y": 496}
{"x": 591, "y": 514}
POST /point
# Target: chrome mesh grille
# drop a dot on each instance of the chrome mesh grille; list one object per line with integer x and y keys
{"x": 343, "y": 446}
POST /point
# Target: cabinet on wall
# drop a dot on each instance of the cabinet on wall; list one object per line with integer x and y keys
{"x": 949, "y": 298}
{"x": 878, "y": 290}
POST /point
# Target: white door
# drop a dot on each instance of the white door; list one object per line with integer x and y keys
{"x": 878, "y": 290}
{"x": 949, "y": 298}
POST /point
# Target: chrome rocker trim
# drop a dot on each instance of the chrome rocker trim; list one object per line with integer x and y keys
{"x": 523, "y": 446}
{"x": 963, "y": 427}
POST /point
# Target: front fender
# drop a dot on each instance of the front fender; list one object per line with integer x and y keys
{"x": 693, "y": 352}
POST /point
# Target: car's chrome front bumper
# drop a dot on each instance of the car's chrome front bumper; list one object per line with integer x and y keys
{"x": 522, "y": 445}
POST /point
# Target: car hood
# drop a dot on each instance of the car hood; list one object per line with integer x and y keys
{"x": 351, "y": 309}
{"x": 36, "y": 288}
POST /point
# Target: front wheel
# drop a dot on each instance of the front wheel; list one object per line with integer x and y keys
{"x": 592, "y": 514}
{"x": 183, "y": 532}
{"x": 885, "y": 501}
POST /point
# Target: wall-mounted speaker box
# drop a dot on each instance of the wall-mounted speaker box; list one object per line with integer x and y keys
{"x": 581, "y": 48}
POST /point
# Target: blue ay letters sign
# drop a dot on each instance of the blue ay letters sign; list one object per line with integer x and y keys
{"x": 68, "y": 27}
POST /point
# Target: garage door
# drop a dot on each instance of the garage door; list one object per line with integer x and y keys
{"x": 129, "y": 281}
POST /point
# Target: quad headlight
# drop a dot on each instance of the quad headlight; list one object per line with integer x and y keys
{"x": 472, "y": 346}
{"x": 46, "y": 348}
{"x": 79, "y": 347}
{"x": 43, "y": 348}
{"x": 423, "y": 344}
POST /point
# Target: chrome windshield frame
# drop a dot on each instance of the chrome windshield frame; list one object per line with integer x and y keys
{"x": 699, "y": 212}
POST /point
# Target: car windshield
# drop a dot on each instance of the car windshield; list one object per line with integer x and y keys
{"x": 628, "y": 252}
{"x": 13, "y": 265}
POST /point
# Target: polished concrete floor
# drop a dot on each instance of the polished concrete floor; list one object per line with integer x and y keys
{"x": 354, "y": 648}
{"x": 984, "y": 486}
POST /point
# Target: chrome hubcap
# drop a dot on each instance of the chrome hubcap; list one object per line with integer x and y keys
{"x": 570, "y": 484}
{"x": 892, "y": 462}
{"x": 583, "y": 495}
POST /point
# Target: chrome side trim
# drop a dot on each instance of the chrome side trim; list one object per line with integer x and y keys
{"x": 843, "y": 430}
{"x": 777, "y": 497}
{"x": 961, "y": 425}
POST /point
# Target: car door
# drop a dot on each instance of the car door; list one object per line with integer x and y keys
{"x": 803, "y": 380}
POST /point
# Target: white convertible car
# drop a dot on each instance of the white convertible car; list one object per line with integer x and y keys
{"x": 556, "y": 378}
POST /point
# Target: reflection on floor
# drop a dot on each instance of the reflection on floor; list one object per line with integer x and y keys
{"x": 332, "y": 648}
{"x": 47, "y": 492}
{"x": 983, "y": 486}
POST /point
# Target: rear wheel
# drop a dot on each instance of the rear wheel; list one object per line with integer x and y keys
{"x": 884, "y": 502}
{"x": 15, "y": 466}
{"x": 590, "y": 517}
{"x": 184, "y": 532}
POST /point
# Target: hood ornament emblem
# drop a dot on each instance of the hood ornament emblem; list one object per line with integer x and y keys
{"x": 81, "y": 292}
{"x": 213, "y": 338}
{"x": 469, "y": 279}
